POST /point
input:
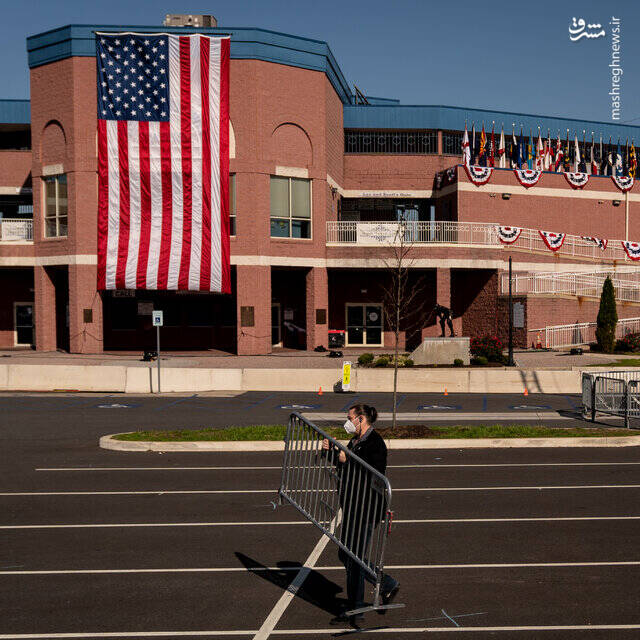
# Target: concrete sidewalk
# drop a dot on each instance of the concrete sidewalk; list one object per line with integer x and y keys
{"x": 545, "y": 372}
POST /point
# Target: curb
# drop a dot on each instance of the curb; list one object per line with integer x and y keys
{"x": 108, "y": 442}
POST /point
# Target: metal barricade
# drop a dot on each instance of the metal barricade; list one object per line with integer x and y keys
{"x": 614, "y": 393}
{"x": 349, "y": 502}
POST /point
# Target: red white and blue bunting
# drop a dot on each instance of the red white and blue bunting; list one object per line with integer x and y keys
{"x": 624, "y": 183}
{"x": 527, "y": 177}
{"x": 478, "y": 175}
{"x": 508, "y": 235}
{"x": 632, "y": 249}
{"x": 577, "y": 180}
{"x": 599, "y": 242}
{"x": 553, "y": 240}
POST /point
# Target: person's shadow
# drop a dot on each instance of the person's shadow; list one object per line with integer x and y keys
{"x": 316, "y": 589}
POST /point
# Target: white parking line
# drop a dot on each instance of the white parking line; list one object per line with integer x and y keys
{"x": 313, "y": 632}
{"x": 391, "y": 466}
{"x": 266, "y": 523}
{"x": 394, "y": 567}
{"x": 250, "y": 491}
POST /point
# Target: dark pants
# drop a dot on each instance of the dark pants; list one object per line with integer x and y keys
{"x": 356, "y": 575}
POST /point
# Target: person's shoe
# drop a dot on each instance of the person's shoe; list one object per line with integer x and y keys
{"x": 388, "y": 598}
{"x": 339, "y": 620}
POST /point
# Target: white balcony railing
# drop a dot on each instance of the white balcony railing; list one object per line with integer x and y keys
{"x": 571, "y": 335}
{"x": 16, "y": 230}
{"x": 626, "y": 284}
{"x": 482, "y": 234}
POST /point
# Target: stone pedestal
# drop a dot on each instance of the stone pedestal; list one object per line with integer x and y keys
{"x": 441, "y": 351}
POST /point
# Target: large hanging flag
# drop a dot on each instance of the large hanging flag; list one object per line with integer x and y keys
{"x": 163, "y": 162}
{"x": 466, "y": 152}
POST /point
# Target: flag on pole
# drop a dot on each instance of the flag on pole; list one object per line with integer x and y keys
{"x": 540, "y": 153}
{"x": 466, "y": 152}
{"x": 163, "y": 162}
{"x": 559, "y": 163}
{"x": 482, "y": 151}
{"x": 594, "y": 164}
{"x": 633, "y": 162}
{"x": 521, "y": 150}
{"x": 492, "y": 150}
{"x": 501, "y": 150}
{"x": 576, "y": 156}
{"x": 548, "y": 152}
{"x": 514, "y": 149}
{"x": 473, "y": 143}
{"x": 530, "y": 151}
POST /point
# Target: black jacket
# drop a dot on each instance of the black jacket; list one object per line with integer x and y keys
{"x": 354, "y": 483}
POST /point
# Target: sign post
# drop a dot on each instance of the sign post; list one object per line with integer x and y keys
{"x": 346, "y": 376}
{"x": 157, "y": 323}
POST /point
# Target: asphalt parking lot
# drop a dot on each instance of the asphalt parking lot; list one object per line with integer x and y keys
{"x": 487, "y": 543}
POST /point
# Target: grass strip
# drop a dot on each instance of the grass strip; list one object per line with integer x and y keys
{"x": 278, "y": 431}
{"x": 626, "y": 362}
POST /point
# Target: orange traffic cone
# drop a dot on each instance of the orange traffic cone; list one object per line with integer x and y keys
{"x": 320, "y": 391}
{"x": 445, "y": 392}
{"x": 526, "y": 392}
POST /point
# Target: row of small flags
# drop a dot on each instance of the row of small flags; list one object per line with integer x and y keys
{"x": 520, "y": 152}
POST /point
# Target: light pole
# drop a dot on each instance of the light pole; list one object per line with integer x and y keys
{"x": 510, "y": 362}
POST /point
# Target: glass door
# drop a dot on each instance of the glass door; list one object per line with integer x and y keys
{"x": 276, "y": 325}
{"x": 23, "y": 324}
{"x": 364, "y": 325}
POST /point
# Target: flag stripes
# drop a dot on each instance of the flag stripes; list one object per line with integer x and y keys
{"x": 163, "y": 183}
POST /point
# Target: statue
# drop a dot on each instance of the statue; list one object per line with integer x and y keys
{"x": 443, "y": 314}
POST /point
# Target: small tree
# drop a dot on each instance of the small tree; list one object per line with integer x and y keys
{"x": 607, "y": 318}
{"x": 403, "y": 301}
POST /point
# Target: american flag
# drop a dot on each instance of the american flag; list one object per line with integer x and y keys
{"x": 163, "y": 162}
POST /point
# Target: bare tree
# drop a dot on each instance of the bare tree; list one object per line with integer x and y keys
{"x": 403, "y": 301}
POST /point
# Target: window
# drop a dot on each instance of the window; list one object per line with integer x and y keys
{"x": 364, "y": 325}
{"x": 55, "y": 206}
{"x": 452, "y": 143}
{"x": 419, "y": 141}
{"x": 232, "y": 204}
{"x": 290, "y": 207}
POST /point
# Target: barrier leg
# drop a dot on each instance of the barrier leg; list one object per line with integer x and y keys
{"x": 593, "y": 401}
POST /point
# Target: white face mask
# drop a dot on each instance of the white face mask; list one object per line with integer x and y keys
{"x": 349, "y": 427}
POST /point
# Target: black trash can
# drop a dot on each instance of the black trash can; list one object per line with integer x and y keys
{"x": 336, "y": 338}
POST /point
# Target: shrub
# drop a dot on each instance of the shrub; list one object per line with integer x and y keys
{"x": 365, "y": 359}
{"x": 607, "y": 318}
{"x": 488, "y": 347}
{"x": 630, "y": 343}
{"x": 382, "y": 361}
{"x": 479, "y": 361}
{"x": 408, "y": 362}
{"x": 458, "y": 362}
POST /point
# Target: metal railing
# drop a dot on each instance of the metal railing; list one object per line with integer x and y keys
{"x": 15, "y": 229}
{"x": 349, "y": 502}
{"x": 626, "y": 284}
{"x": 421, "y": 141}
{"x": 466, "y": 233}
{"x": 614, "y": 393}
{"x": 571, "y": 335}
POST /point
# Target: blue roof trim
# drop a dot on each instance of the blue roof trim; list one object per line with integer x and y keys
{"x": 15, "y": 112}
{"x": 453, "y": 118}
{"x": 246, "y": 43}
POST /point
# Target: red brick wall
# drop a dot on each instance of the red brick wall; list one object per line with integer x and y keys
{"x": 15, "y": 168}
{"x": 473, "y": 296}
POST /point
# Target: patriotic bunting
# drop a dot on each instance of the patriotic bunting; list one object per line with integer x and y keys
{"x": 478, "y": 175}
{"x": 600, "y": 242}
{"x": 527, "y": 177}
{"x": 508, "y": 235}
{"x": 632, "y": 249}
{"x": 553, "y": 240}
{"x": 577, "y": 180}
{"x": 624, "y": 183}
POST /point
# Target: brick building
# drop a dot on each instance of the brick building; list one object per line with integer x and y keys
{"x": 317, "y": 176}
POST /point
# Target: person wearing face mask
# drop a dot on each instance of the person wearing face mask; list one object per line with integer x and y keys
{"x": 368, "y": 445}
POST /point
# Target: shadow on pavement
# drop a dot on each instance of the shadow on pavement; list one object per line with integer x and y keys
{"x": 316, "y": 589}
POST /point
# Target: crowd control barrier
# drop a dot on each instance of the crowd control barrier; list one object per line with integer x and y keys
{"x": 615, "y": 393}
{"x": 349, "y": 502}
